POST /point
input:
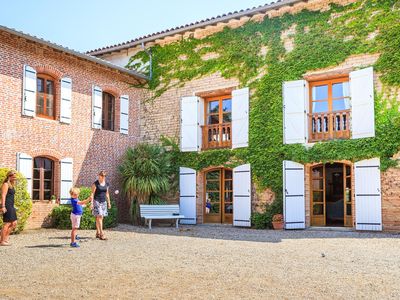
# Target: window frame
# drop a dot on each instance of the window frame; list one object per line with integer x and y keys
{"x": 46, "y": 78}
{"x": 42, "y": 179}
{"x": 330, "y": 99}
{"x": 106, "y": 111}
{"x": 220, "y": 112}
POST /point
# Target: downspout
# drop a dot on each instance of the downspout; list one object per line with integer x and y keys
{"x": 148, "y": 52}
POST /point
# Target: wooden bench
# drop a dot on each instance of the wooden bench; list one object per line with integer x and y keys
{"x": 162, "y": 212}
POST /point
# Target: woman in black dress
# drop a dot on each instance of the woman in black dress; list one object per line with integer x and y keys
{"x": 7, "y": 207}
{"x": 101, "y": 202}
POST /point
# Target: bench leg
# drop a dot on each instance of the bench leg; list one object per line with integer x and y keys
{"x": 177, "y": 223}
{"x": 150, "y": 223}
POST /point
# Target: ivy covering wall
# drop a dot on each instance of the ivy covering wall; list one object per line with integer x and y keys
{"x": 321, "y": 40}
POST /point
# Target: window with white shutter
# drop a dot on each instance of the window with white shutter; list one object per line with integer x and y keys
{"x": 362, "y": 103}
{"x": 187, "y": 195}
{"x": 66, "y": 182}
{"x": 97, "y": 107}
{"x": 190, "y": 124}
{"x": 295, "y": 108}
{"x": 240, "y": 118}
{"x": 66, "y": 100}
{"x": 124, "y": 114}
{"x": 25, "y": 167}
{"x": 29, "y": 92}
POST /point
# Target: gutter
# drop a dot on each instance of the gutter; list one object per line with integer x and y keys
{"x": 75, "y": 53}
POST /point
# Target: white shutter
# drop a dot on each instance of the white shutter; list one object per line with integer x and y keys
{"x": 25, "y": 167}
{"x": 368, "y": 195}
{"x": 66, "y": 100}
{"x": 362, "y": 103}
{"x": 29, "y": 92}
{"x": 242, "y": 196}
{"x": 187, "y": 197}
{"x": 124, "y": 114}
{"x": 293, "y": 195}
{"x": 190, "y": 124}
{"x": 97, "y": 107}
{"x": 295, "y": 108}
{"x": 240, "y": 118}
{"x": 66, "y": 179}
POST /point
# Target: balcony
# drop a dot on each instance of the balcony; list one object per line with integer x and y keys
{"x": 329, "y": 125}
{"x": 217, "y": 136}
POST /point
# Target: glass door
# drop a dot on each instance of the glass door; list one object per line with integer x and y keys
{"x": 348, "y": 216}
{"x": 218, "y": 202}
{"x": 318, "y": 209}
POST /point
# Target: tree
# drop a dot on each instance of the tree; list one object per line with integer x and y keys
{"x": 146, "y": 173}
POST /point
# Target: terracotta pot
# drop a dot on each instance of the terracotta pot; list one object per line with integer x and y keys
{"x": 278, "y": 225}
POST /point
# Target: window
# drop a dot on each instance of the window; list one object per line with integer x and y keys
{"x": 330, "y": 109}
{"x": 45, "y": 103}
{"x": 108, "y": 111}
{"x": 218, "y": 118}
{"x": 43, "y": 178}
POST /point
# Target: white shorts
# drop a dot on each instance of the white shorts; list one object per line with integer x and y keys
{"x": 75, "y": 220}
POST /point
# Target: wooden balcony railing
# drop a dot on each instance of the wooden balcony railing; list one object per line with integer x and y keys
{"x": 217, "y": 136}
{"x": 329, "y": 125}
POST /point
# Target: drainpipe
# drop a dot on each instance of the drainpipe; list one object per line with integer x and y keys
{"x": 148, "y": 52}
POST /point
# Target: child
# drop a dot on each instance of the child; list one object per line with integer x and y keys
{"x": 76, "y": 213}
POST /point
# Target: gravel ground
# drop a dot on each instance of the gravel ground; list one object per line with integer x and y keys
{"x": 201, "y": 262}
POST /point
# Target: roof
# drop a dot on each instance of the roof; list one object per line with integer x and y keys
{"x": 75, "y": 53}
{"x": 191, "y": 26}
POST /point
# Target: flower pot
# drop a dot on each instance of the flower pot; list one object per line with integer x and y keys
{"x": 278, "y": 225}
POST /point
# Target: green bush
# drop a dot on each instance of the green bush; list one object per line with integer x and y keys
{"x": 23, "y": 203}
{"x": 61, "y": 214}
{"x": 264, "y": 220}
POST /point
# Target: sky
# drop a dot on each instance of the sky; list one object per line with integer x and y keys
{"x": 85, "y": 25}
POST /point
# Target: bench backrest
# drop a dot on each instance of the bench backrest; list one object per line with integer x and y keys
{"x": 158, "y": 210}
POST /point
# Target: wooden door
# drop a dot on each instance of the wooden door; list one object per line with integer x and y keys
{"x": 348, "y": 198}
{"x": 318, "y": 206}
{"x": 218, "y": 202}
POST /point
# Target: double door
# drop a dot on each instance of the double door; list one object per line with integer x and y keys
{"x": 218, "y": 202}
{"x": 331, "y": 195}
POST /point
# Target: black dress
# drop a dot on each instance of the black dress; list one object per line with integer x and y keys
{"x": 11, "y": 214}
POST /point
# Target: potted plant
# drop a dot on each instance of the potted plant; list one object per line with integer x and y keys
{"x": 53, "y": 199}
{"x": 277, "y": 221}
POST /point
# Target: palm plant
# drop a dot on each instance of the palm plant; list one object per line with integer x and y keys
{"x": 146, "y": 172}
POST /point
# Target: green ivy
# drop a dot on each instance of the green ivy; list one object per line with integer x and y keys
{"x": 322, "y": 39}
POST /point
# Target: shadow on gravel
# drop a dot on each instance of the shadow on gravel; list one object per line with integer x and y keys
{"x": 225, "y": 232}
{"x": 46, "y": 246}
{"x": 68, "y": 237}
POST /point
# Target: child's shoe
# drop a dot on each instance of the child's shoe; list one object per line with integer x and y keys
{"x": 77, "y": 238}
{"x": 74, "y": 245}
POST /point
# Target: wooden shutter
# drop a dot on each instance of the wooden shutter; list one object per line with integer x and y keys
{"x": 29, "y": 92}
{"x": 66, "y": 100}
{"x": 295, "y": 108}
{"x": 240, "y": 118}
{"x": 368, "y": 195}
{"x": 293, "y": 195}
{"x": 97, "y": 107}
{"x": 362, "y": 103}
{"x": 66, "y": 181}
{"x": 124, "y": 114}
{"x": 25, "y": 167}
{"x": 242, "y": 196}
{"x": 187, "y": 197}
{"x": 190, "y": 124}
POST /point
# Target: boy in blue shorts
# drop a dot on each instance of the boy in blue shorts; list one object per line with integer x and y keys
{"x": 76, "y": 213}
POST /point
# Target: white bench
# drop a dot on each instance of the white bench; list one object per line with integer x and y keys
{"x": 162, "y": 212}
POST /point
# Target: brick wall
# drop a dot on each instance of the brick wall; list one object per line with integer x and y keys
{"x": 92, "y": 150}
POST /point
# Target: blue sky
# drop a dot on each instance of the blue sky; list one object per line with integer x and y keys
{"x": 88, "y": 24}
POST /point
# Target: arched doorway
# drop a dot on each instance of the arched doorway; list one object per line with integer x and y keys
{"x": 331, "y": 195}
{"x": 218, "y": 200}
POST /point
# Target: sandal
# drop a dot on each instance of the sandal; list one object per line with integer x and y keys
{"x": 5, "y": 244}
{"x": 103, "y": 238}
{"x": 97, "y": 235}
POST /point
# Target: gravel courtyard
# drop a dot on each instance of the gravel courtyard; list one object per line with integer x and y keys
{"x": 201, "y": 262}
